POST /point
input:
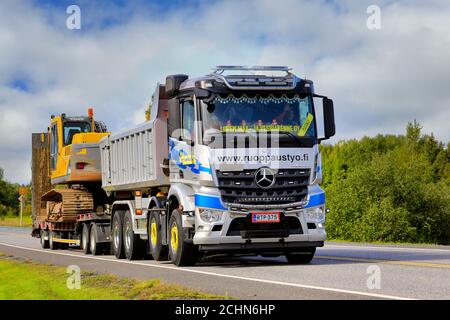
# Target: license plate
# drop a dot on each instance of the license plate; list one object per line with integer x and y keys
{"x": 265, "y": 217}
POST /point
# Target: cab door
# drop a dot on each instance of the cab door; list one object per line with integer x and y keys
{"x": 182, "y": 141}
{"x": 187, "y": 139}
{"x": 54, "y": 146}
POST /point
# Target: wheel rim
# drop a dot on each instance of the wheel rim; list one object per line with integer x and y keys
{"x": 116, "y": 235}
{"x": 92, "y": 242}
{"x": 153, "y": 235}
{"x": 85, "y": 238}
{"x": 174, "y": 237}
{"x": 129, "y": 232}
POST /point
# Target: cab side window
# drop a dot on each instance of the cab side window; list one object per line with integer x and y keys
{"x": 53, "y": 146}
{"x": 188, "y": 119}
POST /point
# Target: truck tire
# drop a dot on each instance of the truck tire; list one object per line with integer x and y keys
{"x": 181, "y": 252}
{"x": 95, "y": 247}
{"x": 132, "y": 243}
{"x": 117, "y": 235}
{"x": 157, "y": 249}
{"x": 85, "y": 238}
{"x": 51, "y": 244}
{"x": 44, "y": 243}
{"x": 300, "y": 256}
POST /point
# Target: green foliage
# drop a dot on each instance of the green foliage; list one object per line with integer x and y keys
{"x": 8, "y": 197}
{"x": 388, "y": 188}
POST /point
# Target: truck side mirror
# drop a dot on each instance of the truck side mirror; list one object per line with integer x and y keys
{"x": 174, "y": 120}
{"x": 328, "y": 118}
{"x": 173, "y": 83}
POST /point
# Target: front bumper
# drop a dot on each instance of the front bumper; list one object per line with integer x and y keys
{"x": 260, "y": 246}
{"x": 206, "y": 236}
{"x": 303, "y": 232}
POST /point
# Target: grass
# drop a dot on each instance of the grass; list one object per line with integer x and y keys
{"x": 14, "y": 221}
{"x": 27, "y": 280}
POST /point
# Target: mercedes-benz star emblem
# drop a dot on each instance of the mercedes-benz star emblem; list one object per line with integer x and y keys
{"x": 264, "y": 178}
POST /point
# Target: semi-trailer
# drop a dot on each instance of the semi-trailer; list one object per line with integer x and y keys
{"x": 227, "y": 163}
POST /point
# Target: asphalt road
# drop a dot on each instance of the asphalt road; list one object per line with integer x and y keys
{"x": 338, "y": 271}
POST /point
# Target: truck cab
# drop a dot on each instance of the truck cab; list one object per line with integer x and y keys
{"x": 244, "y": 161}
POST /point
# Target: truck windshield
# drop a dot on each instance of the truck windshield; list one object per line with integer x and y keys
{"x": 239, "y": 114}
{"x": 71, "y": 128}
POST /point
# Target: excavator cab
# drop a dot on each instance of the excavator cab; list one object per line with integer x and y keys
{"x": 74, "y": 153}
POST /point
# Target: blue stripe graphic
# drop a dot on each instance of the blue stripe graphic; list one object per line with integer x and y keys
{"x": 316, "y": 200}
{"x": 208, "y": 202}
{"x": 214, "y": 202}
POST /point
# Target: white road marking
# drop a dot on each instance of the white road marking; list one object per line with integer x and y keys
{"x": 304, "y": 286}
{"x": 404, "y": 249}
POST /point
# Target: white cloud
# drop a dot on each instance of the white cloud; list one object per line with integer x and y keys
{"x": 378, "y": 79}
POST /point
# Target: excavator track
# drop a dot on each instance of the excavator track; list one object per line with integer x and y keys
{"x": 64, "y": 205}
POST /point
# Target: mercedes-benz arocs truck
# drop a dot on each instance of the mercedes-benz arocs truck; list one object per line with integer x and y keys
{"x": 227, "y": 163}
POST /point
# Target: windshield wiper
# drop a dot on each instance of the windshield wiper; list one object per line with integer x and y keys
{"x": 293, "y": 137}
{"x": 299, "y": 141}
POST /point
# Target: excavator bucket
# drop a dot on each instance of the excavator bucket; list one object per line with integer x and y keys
{"x": 40, "y": 181}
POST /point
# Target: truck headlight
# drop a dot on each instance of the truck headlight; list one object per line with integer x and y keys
{"x": 210, "y": 215}
{"x": 314, "y": 214}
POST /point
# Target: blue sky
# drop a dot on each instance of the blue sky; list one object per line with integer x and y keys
{"x": 379, "y": 79}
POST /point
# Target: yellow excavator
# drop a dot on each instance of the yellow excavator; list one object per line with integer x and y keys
{"x": 66, "y": 170}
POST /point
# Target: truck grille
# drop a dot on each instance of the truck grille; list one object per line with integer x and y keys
{"x": 243, "y": 227}
{"x": 239, "y": 187}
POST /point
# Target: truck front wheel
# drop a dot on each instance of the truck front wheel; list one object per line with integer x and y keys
{"x": 157, "y": 249}
{"x": 132, "y": 242}
{"x": 301, "y": 256}
{"x": 117, "y": 235}
{"x": 181, "y": 252}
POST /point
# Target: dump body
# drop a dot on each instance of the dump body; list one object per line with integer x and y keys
{"x": 132, "y": 160}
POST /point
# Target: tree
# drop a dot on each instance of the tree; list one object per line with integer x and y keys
{"x": 8, "y": 196}
{"x": 388, "y": 188}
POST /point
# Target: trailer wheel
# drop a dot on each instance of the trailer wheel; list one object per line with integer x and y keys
{"x": 95, "y": 248}
{"x": 157, "y": 249}
{"x": 44, "y": 243}
{"x": 301, "y": 256}
{"x": 117, "y": 235}
{"x": 132, "y": 242}
{"x": 85, "y": 239}
{"x": 51, "y": 244}
{"x": 181, "y": 252}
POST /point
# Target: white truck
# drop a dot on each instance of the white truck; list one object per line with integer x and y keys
{"x": 228, "y": 162}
